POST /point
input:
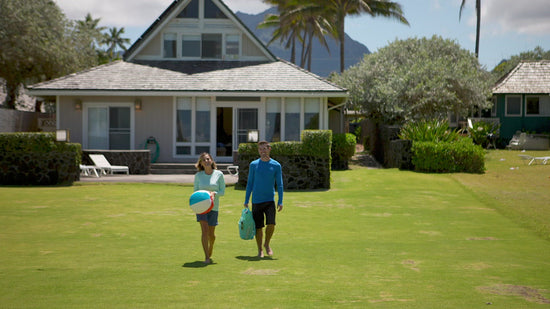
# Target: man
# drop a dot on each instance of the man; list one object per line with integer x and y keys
{"x": 263, "y": 174}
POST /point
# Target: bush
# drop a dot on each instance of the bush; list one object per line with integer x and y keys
{"x": 481, "y": 130}
{"x": 343, "y": 148}
{"x": 428, "y": 131}
{"x": 37, "y": 159}
{"x": 448, "y": 157}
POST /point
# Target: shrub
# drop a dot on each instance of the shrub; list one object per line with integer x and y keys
{"x": 343, "y": 148}
{"x": 481, "y": 130}
{"x": 37, "y": 159}
{"x": 428, "y": 131}
{"x": 448, "y": 157}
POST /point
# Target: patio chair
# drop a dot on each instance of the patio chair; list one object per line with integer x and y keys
{"x": 518, "y": 142}
{"x": 233, "y": 170}
{"x": 535, "y": 160}
{"x": 106, "y": 168}
{"x": 89, "y": 170}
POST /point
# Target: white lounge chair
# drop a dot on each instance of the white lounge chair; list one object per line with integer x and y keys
{"x": 89, "y": 170}
{"x": 106, "y": 167}
{"x": 535, "y": 160}
{"x": 233, "y": 170}
{"x": 518, "y": 141}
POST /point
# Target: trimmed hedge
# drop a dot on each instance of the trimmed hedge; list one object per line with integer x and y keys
{"x": 343, "y": 148}
{"x": 37, "y": 159}
{"x": 306, "y": 164}
{"x": 448, "y": 157}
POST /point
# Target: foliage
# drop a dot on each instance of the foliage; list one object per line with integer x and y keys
{"x": 416, "y": 79}
{"x": 34, "y": 36}
{"x": 460, "y": 156}
{"x": 481, "y": 130}
{"x": 343, "y": 146}
{"x": 37, "y": 159}
{"x": 506, "y": 66}
{"x": 316, "y": 142}
{"x": 428, "y": 131}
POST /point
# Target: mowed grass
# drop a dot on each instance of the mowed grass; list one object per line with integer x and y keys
{"x": 379, "y": 238}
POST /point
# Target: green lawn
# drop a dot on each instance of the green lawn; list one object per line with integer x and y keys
{"x": 380, "y": 238}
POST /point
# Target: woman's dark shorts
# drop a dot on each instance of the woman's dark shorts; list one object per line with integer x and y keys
{"x": 258, "y": 211}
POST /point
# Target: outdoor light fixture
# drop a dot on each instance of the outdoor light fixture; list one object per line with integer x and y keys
{"x": 62, "y": 135}
{"x": 137, "y": 104}
{"x": 252, "y": 136}
{"x": 78, "y": 105}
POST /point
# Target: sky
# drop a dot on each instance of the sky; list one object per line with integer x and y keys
{"x": 508, "y": 27}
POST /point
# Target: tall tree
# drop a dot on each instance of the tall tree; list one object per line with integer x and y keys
{"x": 113, "y": 40}
{"x": 340, "y": 9}
{"x": 478, "y": 23}
{"x": 298, "y": 20}
{"x": 90, "y": 27}
{"x": 37, "y": 43}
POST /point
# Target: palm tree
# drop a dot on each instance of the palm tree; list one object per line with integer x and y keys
{"x": 339, "y": 9}
{"x": 298, "y": 20}
{"x": 113, "y": 40}
{"x": 90, "y": 26}
{"x": 478, "y": 14}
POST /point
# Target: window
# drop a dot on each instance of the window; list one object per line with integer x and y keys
{"x": 211, "y": 46}
{"x": 212, "y": 11}
{"x": 190, "y": 11}
{"x": 232, "y": 45}
{"x": 537, "y": 106}
{"x": 292, "y": 119}
{"x": 273, "y": 120}
{"x": 311, "y": 115}
{"x": 513, "y": 105}
{"x": 191, "y": 45}
{"x": 532, "y": 106}
{"x": 170, "y": 48}
{"x": 202, "y": 122}
{"x": 183, "y": 121}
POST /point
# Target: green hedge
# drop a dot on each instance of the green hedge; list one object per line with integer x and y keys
{"x": 343, "y": 148}
{"x": 448, "y": 157}
{"x": 316, "y": 143}
{"x": 37, "y": 159}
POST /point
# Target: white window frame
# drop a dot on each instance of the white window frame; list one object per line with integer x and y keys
{"x": 87, "y": 105}
{"x": 193, "y": 144}
{"x": 520, "y": 106}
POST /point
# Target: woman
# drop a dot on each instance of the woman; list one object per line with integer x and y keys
{"x": 210, "y": 179}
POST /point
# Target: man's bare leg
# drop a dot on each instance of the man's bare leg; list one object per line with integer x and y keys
{"x": 269, "y": 229}
{"x": 259, "y": 239}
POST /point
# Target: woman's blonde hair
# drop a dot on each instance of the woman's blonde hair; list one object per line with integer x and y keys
{"x": 199, "y": 166}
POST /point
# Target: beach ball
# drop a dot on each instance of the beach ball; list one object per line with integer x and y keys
{"x": 201, "y": 202}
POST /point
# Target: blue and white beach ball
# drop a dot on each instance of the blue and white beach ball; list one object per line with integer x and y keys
{"x": 201, "y": 202}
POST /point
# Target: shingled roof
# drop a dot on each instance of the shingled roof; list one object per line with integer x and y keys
{"x": 170, "y": 76}
{"x": 527, "y": 77}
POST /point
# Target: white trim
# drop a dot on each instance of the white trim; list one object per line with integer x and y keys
{"x": 520, "y": 105}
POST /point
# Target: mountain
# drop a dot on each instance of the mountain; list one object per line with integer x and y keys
{"x": 323, "y": 62}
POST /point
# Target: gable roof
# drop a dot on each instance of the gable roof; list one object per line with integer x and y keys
{"x": 171, "y": 11}
{"x": 126, "y": 78}
{"x": 527, "y": 77}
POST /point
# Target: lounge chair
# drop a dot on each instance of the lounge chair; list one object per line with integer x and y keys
{"x": 518, "y": 141}
{"x": 106, "y": 168}
{"x": 233, "y": 170}
{"x": 535, "y": 160}
{"x": 89, "y": 170}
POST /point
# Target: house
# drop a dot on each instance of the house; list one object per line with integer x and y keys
{"x": 196, "y": 81}
{"x": 522, "y": 99}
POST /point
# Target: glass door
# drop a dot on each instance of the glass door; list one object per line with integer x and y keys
{"x": 109, "y": 127}
{"x": 247, "y": 119}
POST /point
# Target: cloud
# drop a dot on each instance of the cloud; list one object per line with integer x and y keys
{"x": 524, "y": 17}
{"x": 135, "y": 13}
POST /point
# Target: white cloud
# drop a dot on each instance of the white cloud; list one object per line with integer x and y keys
{"x": 135, "y": 13}
{"x": 524, "y": 17}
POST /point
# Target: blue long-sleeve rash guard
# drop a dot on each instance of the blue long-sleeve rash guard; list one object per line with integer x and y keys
{"x": 262, "y": 177}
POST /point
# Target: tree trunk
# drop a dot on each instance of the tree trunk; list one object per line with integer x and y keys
{"x": 478, "y": 12}
{"x": 11, "y": 95}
